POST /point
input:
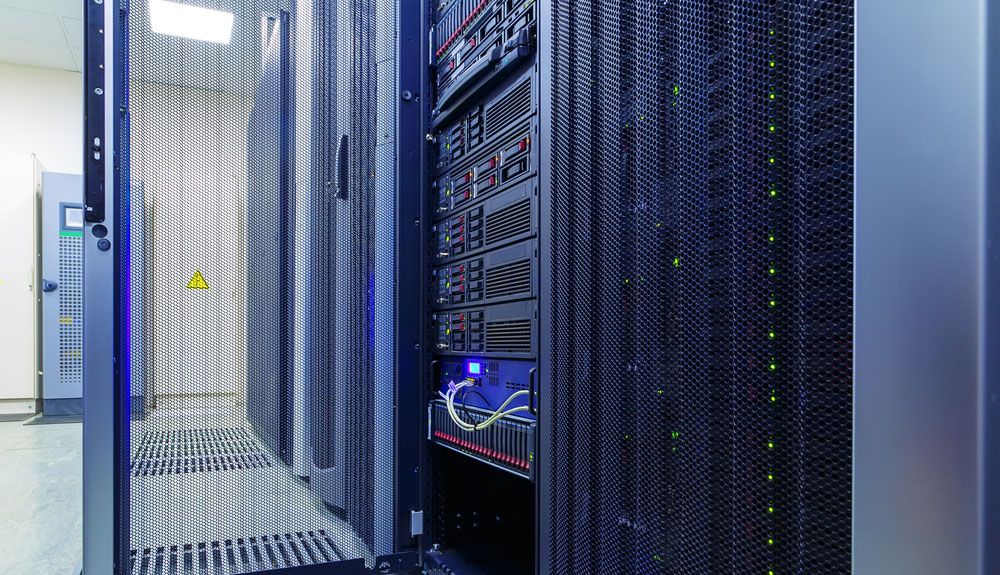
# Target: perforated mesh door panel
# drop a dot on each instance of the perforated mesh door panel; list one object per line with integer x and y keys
{"x": 70, "y": 311}
{"x": 223, "y": 145}
{"x": 701, "y": 199}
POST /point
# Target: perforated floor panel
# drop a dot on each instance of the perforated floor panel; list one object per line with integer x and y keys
{"x": 197, "y": 450}
{"x": 241, "y": 555}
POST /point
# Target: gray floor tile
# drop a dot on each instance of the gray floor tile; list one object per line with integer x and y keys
{"x": 40, "y": 498}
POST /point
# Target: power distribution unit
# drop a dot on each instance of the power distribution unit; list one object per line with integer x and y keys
{"x": 489, "y": 287}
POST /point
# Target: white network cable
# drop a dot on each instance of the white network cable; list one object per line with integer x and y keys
{"x": 497, "y": 415}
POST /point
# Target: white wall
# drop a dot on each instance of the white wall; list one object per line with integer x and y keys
{"x": 189, "y": 148}
{"x": 41, "y": 113}
{"x": 19, "y": 187}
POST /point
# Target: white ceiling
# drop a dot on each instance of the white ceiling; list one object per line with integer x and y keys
{"x": 44, "y": 33}
{"x": 231, "y": 67}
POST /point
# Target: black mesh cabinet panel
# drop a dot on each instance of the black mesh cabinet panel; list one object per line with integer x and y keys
{"x": 697, "y": 382}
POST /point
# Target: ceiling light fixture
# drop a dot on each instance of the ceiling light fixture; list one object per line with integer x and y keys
{"x": 196, "y": 23}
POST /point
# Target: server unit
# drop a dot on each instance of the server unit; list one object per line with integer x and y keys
{"x": 557, "y": 287}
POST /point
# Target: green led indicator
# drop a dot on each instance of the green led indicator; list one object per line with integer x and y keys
{"x": 772, "y": 303}
{"x": 770, "y": 508}
{"x": 659, "y": 392}
{"x": 771, "y": 160}
{"x": 770, "y": 476}
{"x": 770, "y": 540}
{"x": 771, "y": 270}
{"x": 677, "y": 89}
{"x": 771, "y": 334}
{"x": 770, "y": 237}
{"x": 770, "y": 444}
{"x": 771, "y": 95}
{"x": 770, "y": 32}
{"x": 773, "y": 366}
{"x": 773, "y": 191}
{"x": 771, "y": 128}
{"x": 659, "y": 224}
{"x": 773, "y": 397}
{"x": 628, "y": 437}
{"x": 657, "y": 558}
{"x": 675, "y": 434}
{"x": 771, "y": 63}
{"x": 677, "y": 262}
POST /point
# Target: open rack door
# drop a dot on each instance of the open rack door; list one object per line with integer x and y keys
{"x": 212, "y": 131}
{"x": 269, "y": 225}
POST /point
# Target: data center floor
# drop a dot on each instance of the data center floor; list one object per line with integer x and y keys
{"x": 200, "y": 476}
{"x": 41, "y": 495}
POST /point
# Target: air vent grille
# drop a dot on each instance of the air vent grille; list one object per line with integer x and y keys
{"x": 240, "y": 555}
{"x": 513, "y": 336}
{"x": 513, "y": 105}
{"x": 509, "y": 222}
{"x": 509, "y": 280}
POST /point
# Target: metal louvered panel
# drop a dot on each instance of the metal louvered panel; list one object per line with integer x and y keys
{"x": 699, "y": 377}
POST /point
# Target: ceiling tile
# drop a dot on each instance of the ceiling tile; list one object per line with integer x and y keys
{"x": 74, "y": 32}
{"x": 34, "y": 54}
{"x": 31, "y": 26}
{"x": 44, "y": 6}
{"x": 68, "y": 8}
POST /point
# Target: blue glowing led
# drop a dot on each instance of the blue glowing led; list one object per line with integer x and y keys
{"x": 475, "y": 368}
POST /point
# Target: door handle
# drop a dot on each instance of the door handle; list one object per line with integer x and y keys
{"x": 343, "y": 156}
{"x": 49, "y": 286}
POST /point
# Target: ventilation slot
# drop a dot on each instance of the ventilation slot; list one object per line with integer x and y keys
{"x": 509, "y": 222}
{"x": 493, "y": 374}
{"x": 242, "y": 555}
{"x": 508, "y": 280}
{"x": 197, "y": 450}
{"x": 512, "y": 106}
{"x": 509, "y": 336}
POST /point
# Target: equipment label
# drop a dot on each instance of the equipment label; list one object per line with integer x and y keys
{"x": 197, "y": 281}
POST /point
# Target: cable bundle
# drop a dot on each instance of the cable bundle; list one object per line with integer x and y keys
{"x": 449, "y": 398}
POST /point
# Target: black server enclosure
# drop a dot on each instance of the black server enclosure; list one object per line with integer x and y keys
{"x": 640, "y": 223}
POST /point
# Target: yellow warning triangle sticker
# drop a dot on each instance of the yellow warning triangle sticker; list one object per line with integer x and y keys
{"x": 197, "y": 281}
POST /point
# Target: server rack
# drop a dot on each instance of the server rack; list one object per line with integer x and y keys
{"x": 646, "y": 160}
